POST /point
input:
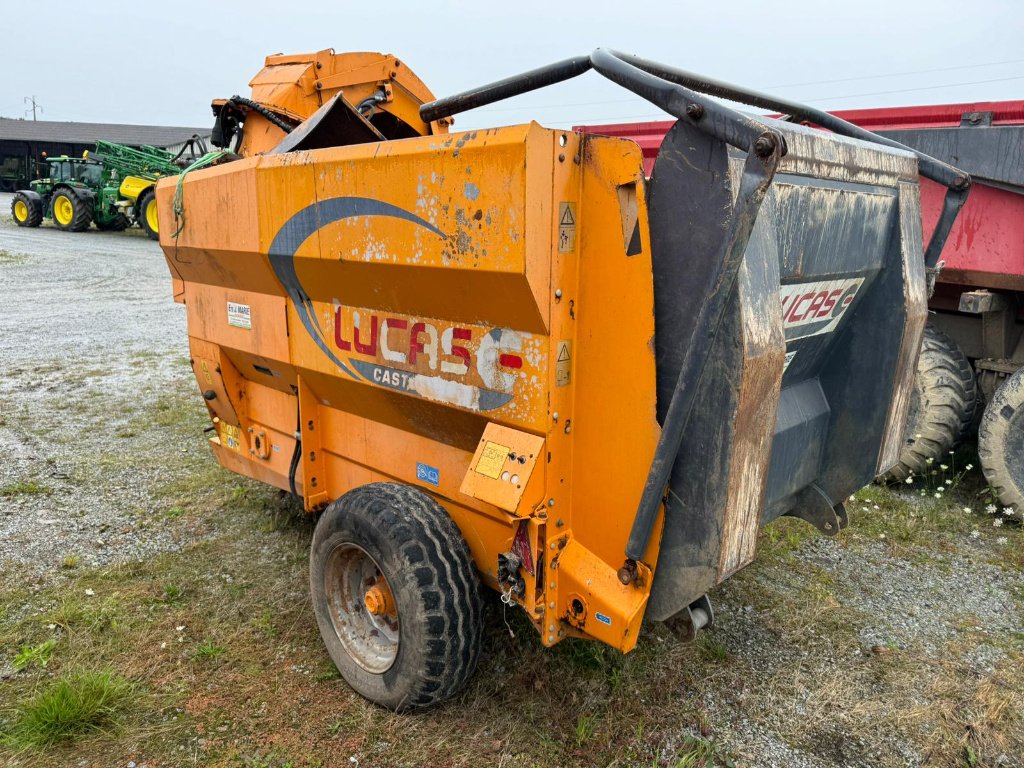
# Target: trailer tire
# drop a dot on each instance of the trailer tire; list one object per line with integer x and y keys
{"x": 71, "y": 211}
{"x": 27, "y": 210}
{"x": 422, "y": 643}
{"x": 1001, "y": 442}
{"x": 942, "y": 405}
{"x": 145, "y": 212}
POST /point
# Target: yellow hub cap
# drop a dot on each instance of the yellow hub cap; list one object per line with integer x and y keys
{"x": 20, "y": 210}
{"x": 151, "y": 219}
{"x": 63, "y": 210}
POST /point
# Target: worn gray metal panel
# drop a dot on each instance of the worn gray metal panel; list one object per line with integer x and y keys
{"x": 831, "y": 246}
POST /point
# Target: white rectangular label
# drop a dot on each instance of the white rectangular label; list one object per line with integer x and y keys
{"x": 812, "y": 308}
{"x": 239, "y": 315}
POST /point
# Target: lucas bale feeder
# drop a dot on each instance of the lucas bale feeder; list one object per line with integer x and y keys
{"x": 503, "y": 356}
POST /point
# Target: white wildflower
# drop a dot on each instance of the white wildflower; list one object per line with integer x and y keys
{"x": 929, "y": 460}
{"x": 991, "y": 509}
{"x": 90, "y": 592}
{"x": 997, "y": 522}
{"x": 881, "y": 535}
{"x": 943, "y": 467}
{"x": 162, "y": 646}
{"x": 853, "y": 497}
{"x": 938, "y": 495}
{"x": 909, "y": 480}
{"x": 1008, "y": 511}
{"x": 969, "y": 467}
{"x": 975, "y": 533}
{"x": 876, "y": 506}
{"x": 180, "y": 628}
{"x": 1001, "y": 540}
{"x": 949, "y": 482}
{"x": 967, "y": 510}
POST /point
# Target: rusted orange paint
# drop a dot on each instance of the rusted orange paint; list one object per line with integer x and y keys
{"x": 454, "y": 307}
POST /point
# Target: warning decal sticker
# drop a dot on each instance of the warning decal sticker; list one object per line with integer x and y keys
{"x": 566, "y": 227}
{"x": 563, "y": 364}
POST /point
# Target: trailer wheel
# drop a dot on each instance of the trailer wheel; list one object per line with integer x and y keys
{"x": 145, "y": 212}
{"x": 71, "y": 212}
{"x": 942, "y": 404}
{"x": 396, "y": 596}
{"x": 1001, "y": 442}
{"x": 27, "y": 211}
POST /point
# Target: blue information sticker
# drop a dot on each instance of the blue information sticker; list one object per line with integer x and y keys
{"x": 602, "y": 618}
{"x": 427, "y": 474}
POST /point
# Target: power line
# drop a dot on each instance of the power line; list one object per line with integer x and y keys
{"x": 923, "y": 88}
{"x": 791, "y": 85}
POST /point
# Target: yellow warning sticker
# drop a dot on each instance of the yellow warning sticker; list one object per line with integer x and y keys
{"x": 566, "y": 227}
{"x": 492, "y": 459}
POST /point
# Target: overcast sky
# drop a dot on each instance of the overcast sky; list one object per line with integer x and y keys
{"x": 162, "y": 62}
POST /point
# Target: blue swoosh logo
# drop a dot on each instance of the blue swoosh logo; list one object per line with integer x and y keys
{"x": 297, "y": 230}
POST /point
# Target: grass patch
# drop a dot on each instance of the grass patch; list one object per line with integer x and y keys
{"x": 24, "y": 488}
{"x": 34, "y": 655}
{"x": 75, "y": 705}
{"x": 208, "y": 651}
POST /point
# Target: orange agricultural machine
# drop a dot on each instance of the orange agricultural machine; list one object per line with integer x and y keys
{"x": 505, "y": 356}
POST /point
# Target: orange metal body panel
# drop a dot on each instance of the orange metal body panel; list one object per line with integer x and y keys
{"x": 415, "y": 298}
{"x": 295, "y": 86}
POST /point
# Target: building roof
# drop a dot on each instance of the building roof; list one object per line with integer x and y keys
{"x": 12, "y": 129}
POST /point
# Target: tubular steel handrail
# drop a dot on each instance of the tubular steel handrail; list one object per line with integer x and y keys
{"x": 685, "y": 96}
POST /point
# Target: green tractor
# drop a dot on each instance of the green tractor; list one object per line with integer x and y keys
{"x": 113, "y": 187}
{"x": 73, "y": 195}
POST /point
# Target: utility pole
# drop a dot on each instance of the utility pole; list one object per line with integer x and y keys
{"x": 32, "y": 100}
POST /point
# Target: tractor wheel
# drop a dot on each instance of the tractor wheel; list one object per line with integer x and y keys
{"x": 27, "y": 211}
{"x": 70, "y": 211}
{"x": 396, "y": 596}
{"x": 1001, "y": 442}
{"x": 942, "y": 405}
{"x": 145, "y": 212}
{"x": 117, "y": 224}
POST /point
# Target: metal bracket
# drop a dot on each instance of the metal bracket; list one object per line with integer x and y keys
{"x": 814, "y": 506}
{"x": 688, "y": 622}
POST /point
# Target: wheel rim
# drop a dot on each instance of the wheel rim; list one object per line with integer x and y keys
{"x": 362, "y": 607}
{"x": 20, "y": 210}
{"x": 63, "y": 210}
{"x": 151, "y": 219}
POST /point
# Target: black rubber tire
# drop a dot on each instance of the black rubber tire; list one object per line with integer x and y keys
{"x": 1001, "y": 442}
{"x": 81, "y": 216}
{"x": 141, "y": 204}
{"x": 117, "y": 224}
{"x": 424, "y": 558}
{"x": 942, "y": 405}
{"x": 34, "y": 208}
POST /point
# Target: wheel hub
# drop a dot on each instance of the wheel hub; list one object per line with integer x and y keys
{"x": 362, "y": 607}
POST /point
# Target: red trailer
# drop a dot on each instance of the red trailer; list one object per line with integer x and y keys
{"x": 973, "y": 351}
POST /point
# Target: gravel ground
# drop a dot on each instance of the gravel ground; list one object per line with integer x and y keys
{"x": 91, "y": 346}
{"x": 88, "y": 335}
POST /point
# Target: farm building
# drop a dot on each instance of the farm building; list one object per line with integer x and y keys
{"x": 23, "y": 142}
